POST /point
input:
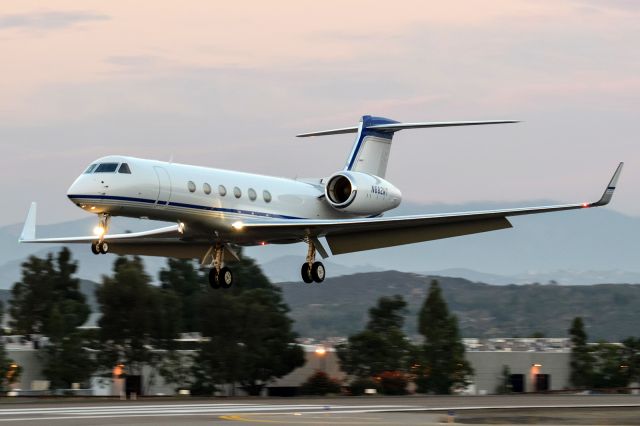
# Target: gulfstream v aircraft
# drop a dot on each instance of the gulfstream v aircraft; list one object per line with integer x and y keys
{"x": 215, "y": 210}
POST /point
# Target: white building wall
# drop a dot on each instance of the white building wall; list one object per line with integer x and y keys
{"x": 488, "y": 368}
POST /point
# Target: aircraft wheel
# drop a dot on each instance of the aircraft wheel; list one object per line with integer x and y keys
{"x": 94, "y": 248}
{"x": 317, "y": 272}
{"x": 103, "y": 247}
{"x": 213, "y": 279}
{"x": 225, "y": 277}
{"x": 306, "y": 273}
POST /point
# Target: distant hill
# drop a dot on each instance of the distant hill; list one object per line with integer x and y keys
{"x": 338, "y": 307}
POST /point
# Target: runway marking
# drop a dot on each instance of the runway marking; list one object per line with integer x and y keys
{"x": 123, "y": 411}
{"x": 323, "y": 421}
{"x": 243, "y": 412}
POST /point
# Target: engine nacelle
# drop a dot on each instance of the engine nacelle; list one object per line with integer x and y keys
{"x": 361, "y": 193}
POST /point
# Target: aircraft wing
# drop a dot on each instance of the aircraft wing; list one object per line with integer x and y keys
{"x": 29, "y": 233}
{"x": 351, "y": 235}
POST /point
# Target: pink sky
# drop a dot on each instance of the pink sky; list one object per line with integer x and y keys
{"x": 228, "y": 84}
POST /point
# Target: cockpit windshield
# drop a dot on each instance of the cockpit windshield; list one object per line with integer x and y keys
{"x": 106, "y": 168}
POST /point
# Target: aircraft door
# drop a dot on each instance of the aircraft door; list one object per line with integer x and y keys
{"x": 164, "y": 187}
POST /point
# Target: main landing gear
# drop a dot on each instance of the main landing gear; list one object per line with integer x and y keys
{"x": 311, "y": 270}
{"x": 220, "y": 276}
{"x": 100, "y": 246}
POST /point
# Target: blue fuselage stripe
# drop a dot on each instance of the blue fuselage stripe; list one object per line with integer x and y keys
{"x": 182, "y": 205}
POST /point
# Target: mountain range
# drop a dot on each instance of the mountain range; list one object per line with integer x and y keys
{"x": 339, "y": 306}
{"x": 584, "y": 247}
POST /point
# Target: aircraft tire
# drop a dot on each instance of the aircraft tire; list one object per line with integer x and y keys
{"x": 213, "y": 279}
{"x": 103, "y": 247}
{"x": 306, "y": 273}
{"x": 94, "y": 248}
{"x": 317, "y": 272}
{"x": 225, "y": 277}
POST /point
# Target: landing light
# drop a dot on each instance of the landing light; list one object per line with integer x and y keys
{"x": 237, "y": 225}
{"x": 98, "y": 231}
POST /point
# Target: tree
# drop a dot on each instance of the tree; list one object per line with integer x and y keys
{"x": 582, "y": 360}
{"x": 444, "y": 366}
{"x": 382, "y": 345}
{"x": 47, "y": 284}
{"x": 136, "y": 317}
{"x": 319, "y": 383}
{"x": 183, "y": 279}
{"x": 250, "y": 337}
{"x": 631, "y": 358}
{"x": 48, "y": 301}
{"x": 505, "y": 381}
{"x": 66, "y": 361}
{"x": 609, "y": 369}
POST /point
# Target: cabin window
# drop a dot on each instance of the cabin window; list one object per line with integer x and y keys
{"x": 106, "y": 168}
{"x": 90, "y": 169}
{"x": 191, "y": 186}
{"x": 206, "y": 188}
{"x": 236, "y": 192}
{"x": 252, "y": 194}
{"x": 124, "y": 168}
{"x": 266, "y": 195}
{"x": 222, "y": 190}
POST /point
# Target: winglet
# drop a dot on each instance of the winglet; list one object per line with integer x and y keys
{"x": 29, "y": 230}
{"x": 608, "y": 193}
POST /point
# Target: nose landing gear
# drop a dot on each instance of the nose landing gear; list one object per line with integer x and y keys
{"x": 311, "y": 270}
{"x": 100, "y": 246}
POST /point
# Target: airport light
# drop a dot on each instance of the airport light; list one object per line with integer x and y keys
{"x": 536, "y": 365}
{"x": 321, "y": 353}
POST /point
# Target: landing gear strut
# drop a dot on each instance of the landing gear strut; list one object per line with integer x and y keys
{"x": 311, "y": 270}
{"x": 220, "y": 276}
{"x": 100, "y": 246}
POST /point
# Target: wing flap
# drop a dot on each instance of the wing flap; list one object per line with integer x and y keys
{"x": 359, "y": 241}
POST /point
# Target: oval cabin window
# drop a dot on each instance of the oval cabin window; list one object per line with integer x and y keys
{"x": 236, "y": 192}
{"x": 252, "y": 194}
{"x": 222, "y": 190}
{"x": 267, "y": 196}
{"x": 206, "y": 188}
{"x": 191, "y": 186}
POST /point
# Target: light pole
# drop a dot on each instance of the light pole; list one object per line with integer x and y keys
{"x": 321, "y": 353}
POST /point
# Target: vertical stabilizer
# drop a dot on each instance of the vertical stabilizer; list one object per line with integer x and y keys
{"x": 370, "y": 152}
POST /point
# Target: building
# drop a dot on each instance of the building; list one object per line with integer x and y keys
{"x": 535, "y": 365}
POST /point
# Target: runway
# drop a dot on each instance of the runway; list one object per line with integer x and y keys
{"x": 366, "y": 410}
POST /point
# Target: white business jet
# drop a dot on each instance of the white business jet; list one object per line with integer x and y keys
{"x": 215, "y": 210}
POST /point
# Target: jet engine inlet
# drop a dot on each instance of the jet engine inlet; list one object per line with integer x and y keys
{"x": 340, "y": 190}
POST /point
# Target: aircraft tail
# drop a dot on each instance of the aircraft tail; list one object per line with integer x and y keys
{"x": 370, "y": 152}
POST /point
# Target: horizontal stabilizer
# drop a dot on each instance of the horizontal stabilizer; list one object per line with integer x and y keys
{"x": 395, "y": 126}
